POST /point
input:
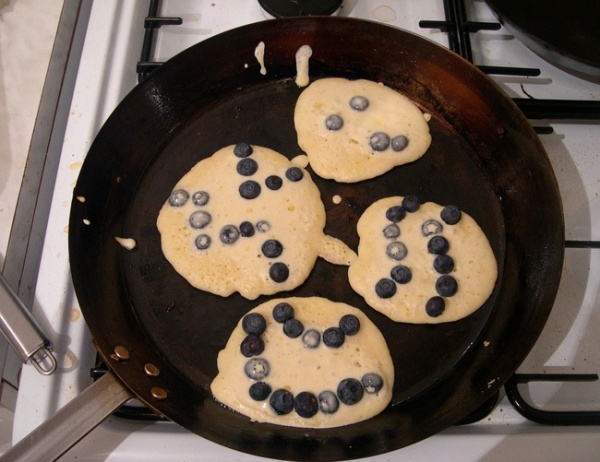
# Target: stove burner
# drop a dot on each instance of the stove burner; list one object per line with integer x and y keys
{"x": 290, "y": 8}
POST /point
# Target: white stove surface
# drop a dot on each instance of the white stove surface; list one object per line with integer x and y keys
{"x": 567, "y": 345}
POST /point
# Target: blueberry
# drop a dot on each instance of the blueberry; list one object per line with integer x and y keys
{"x": 249, "y": 189}
{"x": 443, "y": 264}
{"x": 401, "y": 274}
{"x": 399, "y": 143}
{"x": 379, "y": 141}
{"x": 334, "y": 122}
{"x": 349, "y": 324}
{"x": 282, "y": 401}
{"x": 385, "y": 288}
{"x": 272, "y": 248}
{"x": 438, "y": 245}
{"x": 435, "y": 306}
{"x": 451, "y": 214}
{"x": 333, "y": 337}
{"x": 446, "y": 286}
{"x": 306, "y": 404}
{"x": 282, "y": 312}
{"x": 391, "y": 231}
{"x": 199, "y": 219}
{"x": 411, "y": 203}
{"x": 359, "y": 103}
{"x": 311, "y": 338}
{"x": 350, "y": 391}
{"x": 294, "y": 174}
{"x": 259, "y": 391}
{"x": 178, "y": 197}
{"x": 246, "y": 229}
{"x": 229, "y": 234}
{"x": 328, "y": 402}
{"x": 254, "y": 323}
{"x": 203, "y": 242}
{"x": 200, "y": 198}
{"x": 372, "y": 382}
{"x": 293, "y": 328}
{"x": 279, "y": 272}
{"x": 247, "y": 167}
{"x": 274, "y": 182}
{"x": 242, "y": 150}
{"x": 263, "y": 226}
{"x": 396, "y": 251}
{"x": 252, "y": 345}
{"x": 431, "y": 227}
{"x": 257, "y": 368}
{"x": 395, "y": 213}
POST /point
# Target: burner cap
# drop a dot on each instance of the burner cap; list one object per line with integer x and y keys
{"x": 289, "y": 8}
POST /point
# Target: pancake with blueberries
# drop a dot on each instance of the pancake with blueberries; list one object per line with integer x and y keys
{"x": 422, "y": 263}
{"x": 305, "y": 362}
{"x": 353, "y": 130}
{"x": 246, "y": 219}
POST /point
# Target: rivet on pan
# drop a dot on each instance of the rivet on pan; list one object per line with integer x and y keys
{"x": 151, "y": 370}
{"x": 121, "y": 353}
{"x": 158, "y": 393}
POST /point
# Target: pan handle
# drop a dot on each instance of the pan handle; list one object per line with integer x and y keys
{"x": 71, "y": 423}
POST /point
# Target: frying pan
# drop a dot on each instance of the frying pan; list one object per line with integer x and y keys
{"x": 160, "y": 337}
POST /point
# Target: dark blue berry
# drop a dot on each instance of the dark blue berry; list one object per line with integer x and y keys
{"x": 259, "y": 391}
{"x": 451, "y": 214}
{"x": 395, "y": 213}
{"x": 246, "y": 229}
{"x": 349, "y": 324}
{"x": 203, "y": 242}
{"x": 311, "y": 338}
{"x": 431, "y": 227}
{"x": 293, "y": 328}
{"x": 252, "y": 345}
{"x": 199, "y": 219}
{"x": 242, "y": 150}
{"x": 178, "y": 197}
{"x": 372, "y": 382}
{"x": 279, "y": 272}
{"x": 294, "y": 174}
{"x": 282, "y": 401}
{"x": 254, "y": 323}
{"x": 200, "y": 198}
{"x": 257, "y": 368}
{"x": 263, "y": 226}
{"x": 334, "y": 122}
{"x": 249, "y": 189}
{"x": 411, "y": 203}
{"x": 359, "y": 103}
{"x": 247, "y": 167}
{"x": 446, "y": 286}
{"x": 443, "y": 264}
{"x": 396, "y": 251}
{"x": 274, "y": 182}
{"x": 272, "y": 248}
{"x": 379, "y": 141}
{"x": 282, "y": 312}
{"x": 306, "y": 404}
{"x": 350, "y": 391}
{"x": 401, "y": 274}
{"x": 399, "y": 143}
{"x": 229, "y": 234}
{"x": 391, "y": 231}
{"x": 385, "y": 288}
{"x": 435, "y": 306}
{"x": 333, "y": 337}
{"x": 438, "y": 245}
{"x": 328, "y": 402}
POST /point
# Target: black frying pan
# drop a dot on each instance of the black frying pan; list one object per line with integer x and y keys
{"x": 484, "y": 157}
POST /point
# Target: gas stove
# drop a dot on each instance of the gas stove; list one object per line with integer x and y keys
{"x": 556, "y": 386}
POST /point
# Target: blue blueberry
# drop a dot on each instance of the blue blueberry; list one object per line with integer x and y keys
{"x": 399, "y": 143}
{"x": 372, "y": 382}
{"x": 349, "y": 324}
{"x": 396, "y": 251}
{"x": 273, "y": 182}
{"x": 293, "y": 328}
{"x": 391, "y": 231}
{"x": 200, "y": 198}
{"x": 401, "y": 274}
{"x": 242, "y": 150}
{"x": 334, "y": 122}
{"x": 411, "y": 203}
{"x": 294, "y": 174}
{"x": 200, "y": 219}
{"x": 229, "y": 234}
{"x": 254, "y": 323}
{"x": 379, "y": 141}
{"x": 443, "y": 264}
{"x": 333, "y": 337}
{"x": 451, "y": 214}
{"x": 252, "y": 345}
{"x": 246, "y": 229}
{"x": 282, "y": 312}
{"x": 446, "y": 286}
{"x": 279, "y": 272}
{"x": 435, "y": 306}
{"x": 431, "y": 227}
{"x": 385, "y": 288}
{"x": 178, "y": 197}
{"x": 272, "y": 248}
{"x": 311, "y": 338}
{"x": 263, "y": 226}
{"x": 306, "y": 404}
{"x": 359, "y": 103}
{"x": 282, "y": 401}
{"x": 259, "y": 391}
{"x": 438, "y": 245}
{"x": 350, "y": 391}
{"x": 247, "y": 167}
{"x": 249, "y": 189}
{"x": 203, "y": 242}
{"x": 257, "y": 368}
{"x": 395, "y": 213}
{"x": 328, "y": 402}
